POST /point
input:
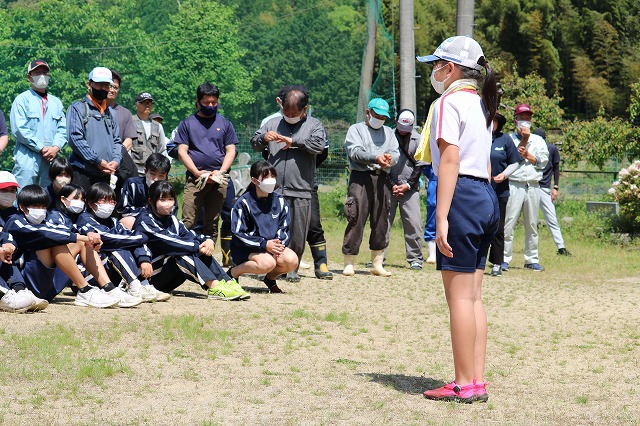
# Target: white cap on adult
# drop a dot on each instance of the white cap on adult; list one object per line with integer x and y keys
{"x": 461, "y": 50}
{"x": 101, "y": 75}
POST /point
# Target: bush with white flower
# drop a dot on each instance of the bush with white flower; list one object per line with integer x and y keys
{"x": 626, "y": 191}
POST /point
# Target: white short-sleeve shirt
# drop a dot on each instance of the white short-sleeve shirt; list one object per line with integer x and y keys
{"x": 459, "y": 119}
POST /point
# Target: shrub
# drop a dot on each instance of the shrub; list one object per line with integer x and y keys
{"x": 626, "y": 191}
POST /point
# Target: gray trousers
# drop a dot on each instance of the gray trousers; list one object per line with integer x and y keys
{"x": 549, "y": 212}
{"x": 410, "y": 214}
{"x": 525, "y": 197}
{"x": 368, "y": 197}
{"x": 299, "y": 219}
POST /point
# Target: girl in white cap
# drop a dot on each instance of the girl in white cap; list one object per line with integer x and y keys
{"x": 467, "y": 213}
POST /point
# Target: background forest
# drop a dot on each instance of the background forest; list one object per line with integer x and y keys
{"x": 571, "y": 59}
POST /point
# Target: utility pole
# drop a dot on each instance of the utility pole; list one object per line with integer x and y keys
{"x": 407, "y": 57}
{"x": 368, "y": 61}
{"x": 464, "y": 19}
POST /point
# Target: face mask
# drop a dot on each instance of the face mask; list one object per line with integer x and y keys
{"x": 36, "y": 216}
{"x": 165, "y": 207}
{"x": 61, "y": 181}
{"x": 76, "y": 206}
{"x": 375, "y": 123}
{"x": 438, "y": 86}
{"x": 41, "y": 81}
{"x": 267, "y": 185}
{"x": 104, "y": 210}
{"x": 292, "y": 120}
{"x": 149, "y": 181}
{"x": 98, "y": 94}
{"x": 208, "y": 111}
{"x": 7, "y": 199}
{"x": 525, "y": 124}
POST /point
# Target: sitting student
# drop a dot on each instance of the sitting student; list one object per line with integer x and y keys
{"x": 259, "y": 242}
{"x": 16, "y": 297}
{"x": 127, "y": 257}
{"x": 8, "y": 189}
{"x": 135, "y": 190}
{"x": 46, "y": 248}
{"x": 60, "y": 174}
{"x": 178, "y": 253}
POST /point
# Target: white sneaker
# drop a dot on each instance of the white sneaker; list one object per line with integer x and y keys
{"x": 37, "y": 304}
{"x": 11, "y": 302}
{"x": 125, "y": 300}
{"x": 160, "y": 296}
{"x": 142, "y": 292}
{"x": 96, "y": 298}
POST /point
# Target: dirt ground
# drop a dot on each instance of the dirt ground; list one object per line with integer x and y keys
{"x": 360, "y": 350}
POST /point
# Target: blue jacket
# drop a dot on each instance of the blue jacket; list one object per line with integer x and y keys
{"x": 115, "y": 236}
{"x": 33, "y": 131}
{"x": 97, "y": 140}
{"x": 254, "y": 221}
{"x": 32, "y": 237}
{"x": 167, "y": 234}
{"x": 133, "y": 197}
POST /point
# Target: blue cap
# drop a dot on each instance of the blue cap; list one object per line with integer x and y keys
{"x": 379, "y": 106}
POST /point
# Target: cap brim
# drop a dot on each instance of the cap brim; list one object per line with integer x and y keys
{"x": 102, "y": 80}
{"x": 404, "y": 128}
{"x": 428, "y": 59}
{"x": 381, "y": 112}
{"x": 4, "y": 185}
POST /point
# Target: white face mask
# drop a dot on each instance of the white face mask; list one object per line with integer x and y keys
{"x": 76, "y": 206}
{"x": 165, "y": 207}
{"x": 438, "y": 86}
{"x": 267, "y": 185}
{"x": 524, "y": 124}
{"x": 61, "y": 181}
{"x": 7, "y": 199}
{"x": 149, "y": 181}
{"x": 104, "y": 210}
{"x": 41, "y": 81}
{"x": 375, "y": 123}
{"x": 292, "y": 120}
{"x": 36, "y": 216}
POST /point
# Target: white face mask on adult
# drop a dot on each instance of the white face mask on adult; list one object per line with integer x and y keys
{"x": 36, "y": 216}
{"x": 104, "y": 210}
{"x": 41, "y": 81}
{"x": 438, "y": 86}
{"x": 375, "y": 123}
{"x": 292, "y": 120}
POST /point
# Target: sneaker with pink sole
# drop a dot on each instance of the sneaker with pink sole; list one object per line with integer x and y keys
{"x": 453, "y": 392}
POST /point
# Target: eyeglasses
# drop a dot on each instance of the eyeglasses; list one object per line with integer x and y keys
{"x": 114, "y": 87}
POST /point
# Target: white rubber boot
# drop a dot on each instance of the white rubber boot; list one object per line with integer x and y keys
{"x": 431, "y": 246}
{"x": 348, "y": 265}
{"x": 377, "y": 257}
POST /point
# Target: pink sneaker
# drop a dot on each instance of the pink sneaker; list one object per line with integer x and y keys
{"x": 454, "y": 392}
{"x": 481, "y": 391}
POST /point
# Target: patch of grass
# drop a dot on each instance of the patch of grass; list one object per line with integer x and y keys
{"x": 299, "y": 313}
{"x": 341, "y": 318}
{"x": 582, "y": 399}
{"x": 97, "y": 369}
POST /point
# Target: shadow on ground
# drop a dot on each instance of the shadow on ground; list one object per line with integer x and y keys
{"x": 408, "y": 384}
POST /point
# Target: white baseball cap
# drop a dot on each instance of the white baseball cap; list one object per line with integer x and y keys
{"x": 101, "y": 75}
{"x": 405, "y": 121}
{"x": 462, "y": 50}
{"x": 7, "y": 179}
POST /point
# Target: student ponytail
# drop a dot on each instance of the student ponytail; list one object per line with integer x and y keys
{"x": 489, "y": 91}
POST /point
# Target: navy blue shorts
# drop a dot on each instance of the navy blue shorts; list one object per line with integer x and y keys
{"x": 473, "y": 221}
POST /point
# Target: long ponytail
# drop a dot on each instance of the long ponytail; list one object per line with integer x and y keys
{"x": 489, "y": 91}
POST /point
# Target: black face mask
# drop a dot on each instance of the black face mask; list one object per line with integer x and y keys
{"x": 98, "y": 94}
{"x": 208, "y": 111}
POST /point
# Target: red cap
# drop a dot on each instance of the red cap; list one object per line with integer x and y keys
{"x": 523, "y": 108}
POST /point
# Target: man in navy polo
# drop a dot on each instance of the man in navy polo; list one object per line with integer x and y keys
{"x": 207, "y": 147}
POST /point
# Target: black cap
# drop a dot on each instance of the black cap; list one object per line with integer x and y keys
{"x": 144, "y": 96}
{"x": 37, "y": 63}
